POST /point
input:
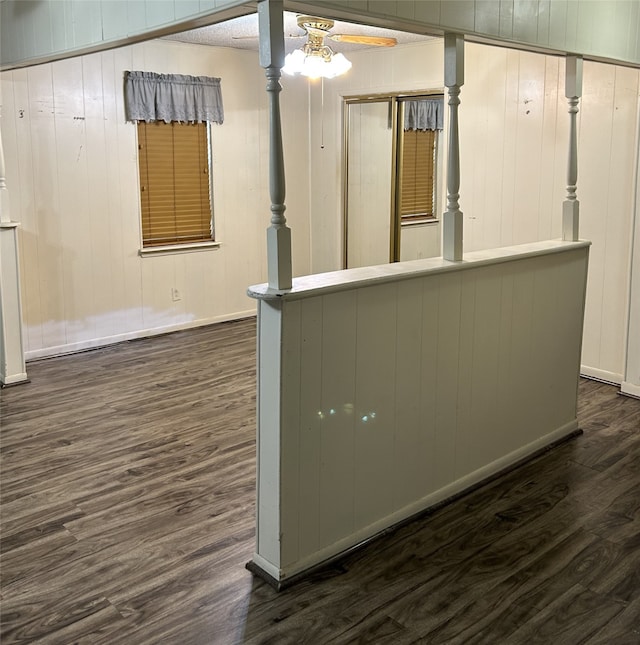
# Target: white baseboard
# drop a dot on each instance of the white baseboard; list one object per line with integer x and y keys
{"x": 630, "y": 389}
{"x": 14, "y": 379}
{"x": 94, "y": 343}
{"x": 464, "y": 483}
{"x": 601, "y": 375}
{"x": 268, "y": 567}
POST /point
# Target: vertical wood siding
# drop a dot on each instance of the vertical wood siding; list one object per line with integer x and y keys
{"x": 393, "y": 396}
{"x": 631, "y": 383}
{"x": 514, "y": 133}
{"x": 33, "y": 29}
{"x": 73, "y": 180}
{"x": 514, "y": 145}
{"x": 601, "y": 28}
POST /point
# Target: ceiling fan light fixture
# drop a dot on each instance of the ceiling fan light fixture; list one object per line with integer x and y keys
{"x": 294, "y": 62}
{"x": 339, "y": 64}
{"x": 316, "y": 63}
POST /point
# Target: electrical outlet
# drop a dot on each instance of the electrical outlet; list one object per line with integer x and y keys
{"x": 175, "y": 295}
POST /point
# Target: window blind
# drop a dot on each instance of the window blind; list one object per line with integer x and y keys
{"x": 174, "y": 183}
{"x": 418, "y": 164}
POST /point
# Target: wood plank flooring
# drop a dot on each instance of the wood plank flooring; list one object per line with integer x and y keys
{"x": 128, "y": 500}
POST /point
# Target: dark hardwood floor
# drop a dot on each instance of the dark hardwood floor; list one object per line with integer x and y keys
{"x": 128, "y": 497}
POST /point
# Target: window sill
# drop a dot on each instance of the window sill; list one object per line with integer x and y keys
{"x": 419, "y": 222}
{"x": 173, "y": 249}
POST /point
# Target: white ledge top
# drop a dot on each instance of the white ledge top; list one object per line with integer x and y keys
{"x": 309, "y": 286}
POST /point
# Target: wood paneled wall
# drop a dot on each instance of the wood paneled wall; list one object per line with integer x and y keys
{"x": 400, "y": 69}
{"x": 514, "y": 146}
{"x": 32, "y": 29}
{"x": 513, "y": 143}
{"x": 73, "y": 181}
{"x": 383, "y": 391}
{"x": 601, "y": 28}
{"x": 514, "y": 140}
{"x": 608, "y": 144}
{"x": 631, "y": 383}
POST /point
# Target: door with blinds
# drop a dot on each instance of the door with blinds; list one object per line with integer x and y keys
{"x": 391, "y": 179}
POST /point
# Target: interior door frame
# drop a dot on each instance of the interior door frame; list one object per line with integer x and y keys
{"x": 396, "y": 111}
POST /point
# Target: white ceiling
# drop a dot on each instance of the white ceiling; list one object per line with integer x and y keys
{"x": 242, "y": 33}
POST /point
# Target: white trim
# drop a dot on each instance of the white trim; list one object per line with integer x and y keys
{"x": 12, "y": 355}
{"x": 423, "y": 504}
{"x": 601, "y": 375}
{"x": 178, "y": 248}
{"x": 267, "y": 566}
{"x": 630, "y": 388}
{"x": 420, "y": 222}
{"x": 94, "y": 343}
{"x": 335, "y": 281}
{"x": 14, "y": 379}
{"x": 632, "y": 327}
{"x": 269, "y": 421}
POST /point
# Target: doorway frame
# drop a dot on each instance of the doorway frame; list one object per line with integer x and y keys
{"x": 395, "y": 112}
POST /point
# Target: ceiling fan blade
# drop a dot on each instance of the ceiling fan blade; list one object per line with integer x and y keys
{"x": 256, "y": 37}
{"x": 363, "y": 40}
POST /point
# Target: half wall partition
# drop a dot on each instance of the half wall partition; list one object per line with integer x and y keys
{"x": 383, "y": 390}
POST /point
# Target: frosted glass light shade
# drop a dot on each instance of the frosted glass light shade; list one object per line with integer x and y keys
{"x": 297, "y": 62}
{"x": 294, "y": 62}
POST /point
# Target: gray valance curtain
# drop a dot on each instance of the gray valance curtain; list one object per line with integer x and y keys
{"x": 172, "y": 97}
{"x": 424, "y": 114}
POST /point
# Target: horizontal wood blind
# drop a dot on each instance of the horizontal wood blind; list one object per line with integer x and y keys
{"x": 417, "y": 175}
{"x": 174, "y": 183}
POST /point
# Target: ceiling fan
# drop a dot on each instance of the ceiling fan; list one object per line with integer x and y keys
{"x": 318, "y": 29}
{"x": 315, "y": 58}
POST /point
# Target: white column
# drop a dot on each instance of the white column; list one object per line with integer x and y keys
{"x": 12, "y": 365}
{"x": 267, "y": 559}
{"x": 272, "y": 59}
{"x": 454, "y": 80}
{"x": 571, "y": 206}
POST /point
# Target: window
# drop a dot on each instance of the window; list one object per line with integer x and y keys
{"x": 419, "y": 121}
{"x": 175, "y": 186}
{"x": 173, "y": 113}
{"x": 417, "y": 175}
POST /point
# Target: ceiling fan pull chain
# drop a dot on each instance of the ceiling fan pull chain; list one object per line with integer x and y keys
{"x": 322, "y": 113}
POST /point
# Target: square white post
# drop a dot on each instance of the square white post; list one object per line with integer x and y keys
{"x": 12, "y": 363}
